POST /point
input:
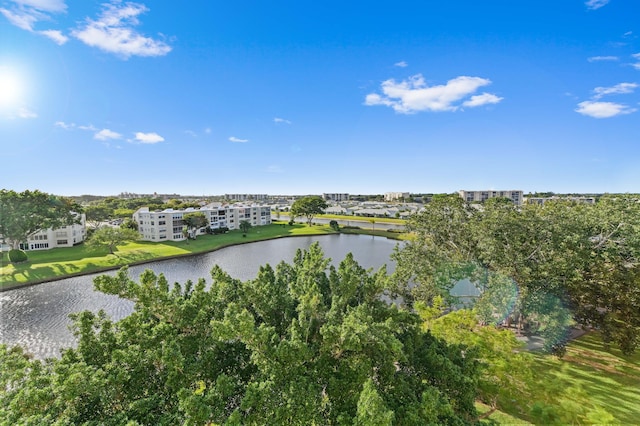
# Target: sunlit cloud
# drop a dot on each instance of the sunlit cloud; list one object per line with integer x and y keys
{"x": 414, "y": 95}
{"x": 26, "y": 113}
{"x": 281, "y": 120}
{"x": 636, "y": 56}
{"x": 595, "y": 4}
{"x": 237, "y": 140}
{"x": 618, "y": 89}
{"x": 484, "y": 99}
{"x": 90, "y": 128}
{"x": 56, "y": 36}
{"x": 25, "y": 14}
{"x": 603, "y": 109}
{"x": 114, "y": 32}
{"x": 401, "y": 64}
{"x": 106, "y": 134}
{"x": 148, "y": 138}
{"x": 603, "y": 58}
{"x": 191, "y": 133}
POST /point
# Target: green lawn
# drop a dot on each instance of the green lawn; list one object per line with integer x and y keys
{"x": 45, "y": 265}
{"x": 589, "y": 385}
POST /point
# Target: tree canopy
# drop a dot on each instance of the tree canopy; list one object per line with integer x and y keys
{"x": 24, "y": 213}
{"x": 194, "y": 221}
{"x": 561, "y": 261}
{"x": 302, "y": 343}
{"x": 308, "y": 207}
{"x": 111, "y": 237}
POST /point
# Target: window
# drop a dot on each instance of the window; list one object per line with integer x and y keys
{"x": 62, "y": 242}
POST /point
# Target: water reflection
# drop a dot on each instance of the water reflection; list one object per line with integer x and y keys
{"x": 37, "y": 317}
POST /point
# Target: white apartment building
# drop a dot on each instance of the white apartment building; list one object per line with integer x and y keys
{"x": 395, "y": 196}
{"x": 542, "y": 200}
{"x": 246, "y": 197}
{"x": 67, "y": 236}
{"x": 167, "y": 225}
{"x": 481, "y": 196}
{"x": 335, "y": 197}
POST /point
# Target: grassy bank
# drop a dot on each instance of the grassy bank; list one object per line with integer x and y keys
{"x": 590, "y": 385}
{"x": 46, "y": 265}
{"x": 365, "y": 220}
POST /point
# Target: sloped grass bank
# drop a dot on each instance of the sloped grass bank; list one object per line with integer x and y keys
{"x": 47, "y": 265}
{"x": 589, "y": 385}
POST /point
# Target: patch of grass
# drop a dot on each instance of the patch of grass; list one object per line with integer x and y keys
{"x": 351, "y": 218}
{"x": 394, "y": 235}
{"x": 590, "y": 385}
{"x": 44, "y": 265}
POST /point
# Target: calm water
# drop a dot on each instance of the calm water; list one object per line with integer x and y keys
{"x": 37, "y": 317}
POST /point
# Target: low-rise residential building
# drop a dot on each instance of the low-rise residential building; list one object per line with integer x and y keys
{"x": 168, "y": 224}
{"x": 246, "y": 197}
{"x": 335, "y": 197}
{"x": 542, "y": 200}
{"x": 396, "y": 196}
{"x": 67, "y": 236}
{"x": 482, "y": 196}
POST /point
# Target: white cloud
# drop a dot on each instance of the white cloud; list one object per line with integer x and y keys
{"x": 207, "y": 131}
{"x": 234, "y": 139}
{"x": 113, "y": 32}
{"x": 618, "y": 89}
{"x": 106, "y": 134}
{"x": 401, "y": 64}
{"x": 26, "y": 13}
{"x": 26, "y": 113}
{"x": 603, "y": 109}
{"x": 281, "y": 120}
{"x": 602, "y": 58}
{"x": 191, "y": 133}
{"x": 413, "y": 95}
{"x": 636, "y": 56}
{"x": 484, "y": 99}
{"x": 64, "y": 125}
{"x": 149, "y": 138}
{"x": 90, "y": 128}
{"x": 56, "y": 36}
{"x": 595, "y": 4}
{"x": 44, "y": 5}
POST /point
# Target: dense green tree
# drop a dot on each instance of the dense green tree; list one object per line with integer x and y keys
{"x": 334, "y": 225}
{"x": 565, "y": 261}
{"x": 24, "y": 213}
{"x": 304, "y": 343}
{"x": 245, "y": 225}
{"x": 308, "y": 207}
{"x": 111, "y": 237}
{"x": 97, "y": 213}
{"x": 194, "y": 222}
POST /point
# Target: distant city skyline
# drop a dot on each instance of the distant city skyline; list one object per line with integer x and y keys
{"x": 104, "y": 97}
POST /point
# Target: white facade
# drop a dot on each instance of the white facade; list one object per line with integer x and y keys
{"x": 395, "y": 196}
{"x": 167, "y": 225}
{"x": 67, "y": 236}
{"x": 481, "y": 196}
{"x": 335, "y": 197}
{"x": 246, "y": 197}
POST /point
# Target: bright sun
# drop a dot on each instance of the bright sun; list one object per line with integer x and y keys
{"x": 10, "y": 89}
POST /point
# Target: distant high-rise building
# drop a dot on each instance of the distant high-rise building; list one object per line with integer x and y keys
{"x": 396, "y": 196}
{"x": 482, "y": 196}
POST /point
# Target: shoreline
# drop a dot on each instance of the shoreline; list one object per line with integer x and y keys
{"x": 15, "y": 286}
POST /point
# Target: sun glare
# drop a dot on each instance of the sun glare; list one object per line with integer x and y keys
{"x": 10, "y": 87}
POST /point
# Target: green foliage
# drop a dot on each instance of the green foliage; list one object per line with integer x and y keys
{"x": 563, "y": 260}
{"x": 17, "y": 256}
{"x": 111, "y": 237}
{"x": 24, "y": 213}
{"x": 309, "y": 207}
{"x": 245, "y": 225}
{"x": 129, "y": 223}
{"x": 194, "y": 221}
{"x": 304, "y": 343}
{"x": 334, "y": 225}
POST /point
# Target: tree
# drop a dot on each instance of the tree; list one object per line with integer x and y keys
{"x": 194, "y": 222}
{"x": 304, "y": 343}
{"x": 245, "y": 225}
{"x": 334, "y": 225}
{"x": 24, "y": 213}
{"x": 97, "y": 213}
{"x": 111, "y": 237}
{"x": 308, "y": 207}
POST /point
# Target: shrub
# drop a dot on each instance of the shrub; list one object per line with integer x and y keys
{"x": 17, "y": 256}
{"x": 334, "y": 225}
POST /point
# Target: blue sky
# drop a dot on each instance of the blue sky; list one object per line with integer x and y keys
{"x": 296, "y": 97}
